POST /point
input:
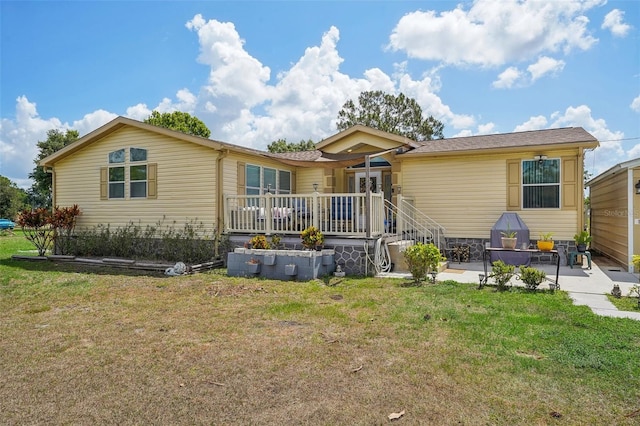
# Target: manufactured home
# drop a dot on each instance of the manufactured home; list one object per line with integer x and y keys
{"x": 363, "y": 188}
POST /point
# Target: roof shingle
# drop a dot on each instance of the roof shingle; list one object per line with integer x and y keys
{"x": 567, "y": 135}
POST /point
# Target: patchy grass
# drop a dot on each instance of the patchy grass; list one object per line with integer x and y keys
{"x": 98, "y": 346}
{"x": 625, "y": 303}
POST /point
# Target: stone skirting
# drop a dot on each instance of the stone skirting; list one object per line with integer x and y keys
{"x": 354, "y": 255}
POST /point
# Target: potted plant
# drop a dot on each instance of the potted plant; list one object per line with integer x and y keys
{"x": 275, "y": 241}
{"x": 545, "y": 243}
{"x": 259, "y": 242}
{"x": 531, "y": 277}
{"x": 312, "y": 238}
{"x": 509, "y": 238}
{"x": 502, "y": 273}
{"x": 253, "y": 266}
{"x": 582, "y": 241}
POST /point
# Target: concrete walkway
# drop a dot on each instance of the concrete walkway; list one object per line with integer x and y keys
{"x": 585, "y": 286}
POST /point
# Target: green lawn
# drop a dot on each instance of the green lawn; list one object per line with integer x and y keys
{"x": 625, "y": 303}
{"x": 106, "y": 346}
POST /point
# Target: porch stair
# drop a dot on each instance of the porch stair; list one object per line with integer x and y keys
{"x": 409, "y": 226}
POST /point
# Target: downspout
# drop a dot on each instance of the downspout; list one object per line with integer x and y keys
{"x": 367, "y": 205}
{"x": 630, "y": 218}
{"x": 220, "y": 189}
{"x": 53, "y": 184}
{"x": 582, "y": 225}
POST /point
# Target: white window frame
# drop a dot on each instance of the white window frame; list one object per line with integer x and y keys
{"x": 117, "y": 182}
{"x": 126, "y": 164}
{"x": 139, "y": 163}
{"x": 262, "y": 188}
{"x": 557, "y": 184}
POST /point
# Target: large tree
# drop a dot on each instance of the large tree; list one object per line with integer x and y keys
{"x": 180, "y": 121}
{"x": 390, "y": 113}
{"x": 281, "y": 145}
{"x": 40, "y": 191}
{"x": 12, "y": 199}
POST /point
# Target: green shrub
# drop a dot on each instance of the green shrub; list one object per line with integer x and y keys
{"x": 192, "y": 244}
{"x": 312, "y": 237}
{"x": 422, "y": 259}
{"x": 502, "y": 273}
{"x": 635, "y": 291}
{"x": 259, "y": 242}
{"x": 531, "y": 277}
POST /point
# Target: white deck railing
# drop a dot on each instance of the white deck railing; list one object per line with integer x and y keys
{"x": 333, "y": 214}
{"x": 413, "y": 224}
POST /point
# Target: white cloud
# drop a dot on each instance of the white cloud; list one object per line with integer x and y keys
{"x": 508, "y": 78}
{"x": 635, "y": 104}
{"x": 234, "y": 72}
{"x": 513, "y": 77}
{"x": 634, "y": 152}
{"x": 534, "y": 123}
{"x": 239, "y": 102}
{"x": 544, "y": 66}
{"x": 581, "y": 116}
{"x": 493, "y": 33}
{"x": 612, "y": 149}
{"x": 19, "y": 138}
{"x": 138, "y": 112}
{"x": 92, "y": 121}
{"x": 613, "y": 22}
{"x": 485, "y": 129}
{"x": 186, "y": 102}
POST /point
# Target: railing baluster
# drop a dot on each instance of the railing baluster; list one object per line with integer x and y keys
{"x": 333, "y": 214}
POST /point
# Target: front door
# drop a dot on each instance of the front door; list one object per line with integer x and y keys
{"x": 375, "y": 179}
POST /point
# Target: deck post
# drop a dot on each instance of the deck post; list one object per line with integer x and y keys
{"x": 268, "y": 213}
{"x": 226, "y": 217}
{"x": 367, "y": 203}
{"x": 315, "y": 216}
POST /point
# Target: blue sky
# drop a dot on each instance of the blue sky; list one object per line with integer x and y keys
{"x": 255, "y": 72}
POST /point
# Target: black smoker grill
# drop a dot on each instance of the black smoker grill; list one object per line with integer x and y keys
{"x": 510, "y": 222}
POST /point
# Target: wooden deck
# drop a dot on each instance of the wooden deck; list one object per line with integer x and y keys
{"x": 333, "y": 214}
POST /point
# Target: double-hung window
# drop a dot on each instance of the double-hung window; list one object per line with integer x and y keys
{"x": 116, "y": 174}
{"x": 128, "y": 175}
{"x": 138, "y": 173}
{"x": 541, "y": 184}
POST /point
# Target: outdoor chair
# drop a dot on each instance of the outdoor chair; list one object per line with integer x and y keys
{"x": 281, "y": 218}
{"x": 301, "y": 214}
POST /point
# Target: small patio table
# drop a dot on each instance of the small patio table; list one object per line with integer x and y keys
{"x": 486, "y": 255}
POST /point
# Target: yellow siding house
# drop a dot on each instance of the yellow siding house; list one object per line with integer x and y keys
{"x": 356, "y": 186}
